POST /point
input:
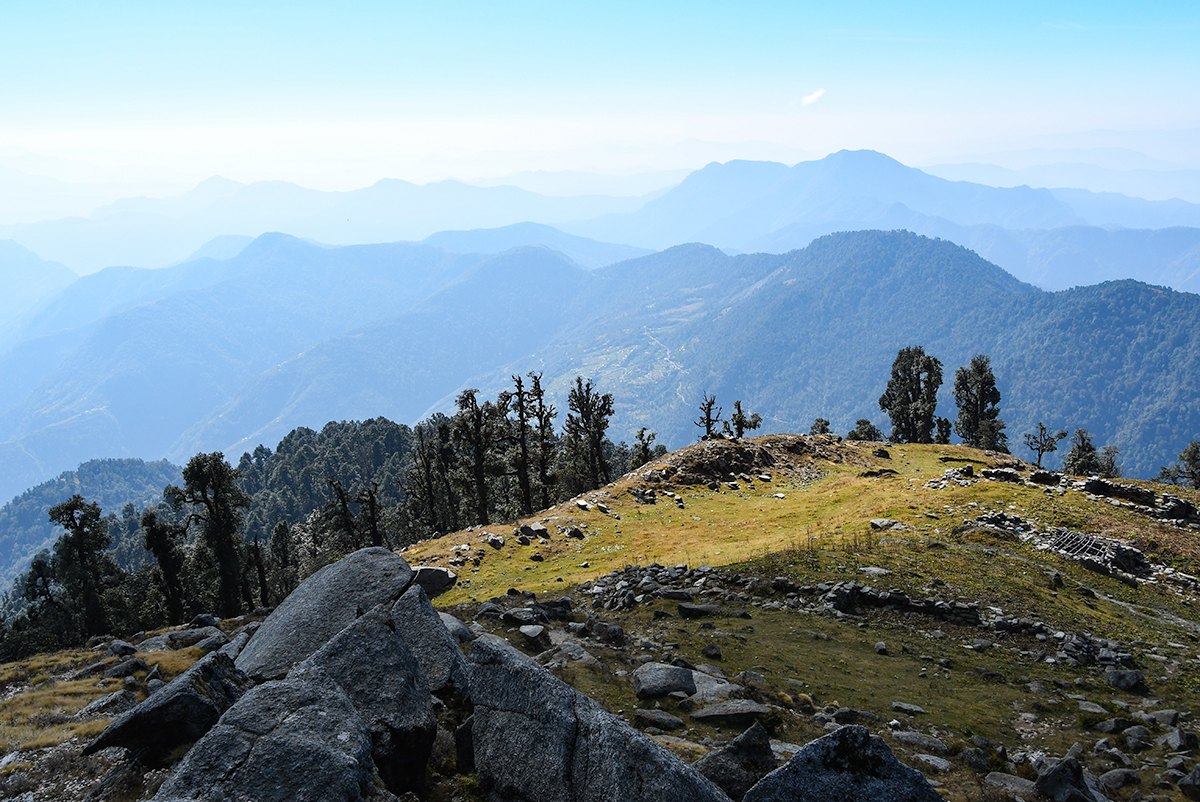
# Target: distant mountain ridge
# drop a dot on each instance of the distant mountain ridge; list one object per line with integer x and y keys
{"x": 289, "y": 334}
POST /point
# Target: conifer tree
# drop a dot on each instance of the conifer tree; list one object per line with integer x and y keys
{"x": 979, "y": 424}
{"x": 910, "y": 399}
{"x": 739, "y": 422}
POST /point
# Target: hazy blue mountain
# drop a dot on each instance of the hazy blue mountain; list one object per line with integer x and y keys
{"x": 1114, "y": 209}
{"x": 225, "y": 246}
{"x": 1053, "y": 259}
{"x": 731, "y": 205}
{"x": 500, "y": 310}
{"x": 25, "y": 528}
{"x": 151, "y": 232}
{"x": 141, "y": 375}
{"x": 581, "y": 250}
{"x": 1136, "y": 182}
{"x": 26, "y": 280}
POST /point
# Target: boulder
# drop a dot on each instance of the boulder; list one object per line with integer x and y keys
{"x": 179, "y": 713}
{"x": 711, "y": 689}
{"x": 204, "y": 620}
{"x": 738, "y": 767}
{"x": 120, "y": 648}
{"x": 1119, "y": 778}
{"x": 1001, "y": 475}
{"x": 108, "y": 706}
{"x": 1065, "y": 782}
{"x": 657, "y": 718}
{"x": 382, "y": 678}
{"x": 910, "y": 709}
{"x": 434, "y": 579}
{"x": 297, "y": 740}
{"x": 1012, "y": 783}
{"x": 457, "y": 629}
{"x": 324, "y": 604}
{"x": 659, "y": 679}
{"x": 1126, "y": 680}
{"x": 431, "y": 643}
{"x": 186, "y": 638}
{"x": 235, "y": 646}
{"x": 737, "y": 712}
{"x": 1189, "y": 786}
{"x": 1178, "y": 740}
{"x": 848, "y": 763}
{"x": 536, "y": 739}
{"x": 920, "y": 740}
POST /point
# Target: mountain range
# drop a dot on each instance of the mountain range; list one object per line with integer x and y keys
{"x": 227, "y": 354}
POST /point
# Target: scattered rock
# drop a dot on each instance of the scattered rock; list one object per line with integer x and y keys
{"x": 179, "y": 713}
{"x": 120, "y": 648}
{"x": 933, "y": 762}
{"x": 1012, "y": 783}
{"x": 712, "y": 651}
{"x": 536, "y": 738}
{"x": 738, "y": 767}
{"x": 204, "y": 620}
{"x": 904, "y": 707}
{"x": 660, "y": 679}
{"x": 187, "y": 638}
{"x": 457, "y": 629}
{"x": 324, "y": 604}
{"x": 1119, "y": 778}
{"x": 736, "y": 712}
{"x": 1126, "y": 680}
{"x": 847, "y": 764}
{"x": 434, "y": 579}
{"x": 886, "y": 524}
{"x": 1189, "y": 786}
{"x": 921, "y": 741}
{"x": 657, "y": 718}
{"x": 108, "y": 706}
{"x": 1065, "y": 783}
{"x": 881, "y": 648}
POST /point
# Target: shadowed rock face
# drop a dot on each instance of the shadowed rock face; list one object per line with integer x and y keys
{"x": 848, "y": 763}
{"x": 431, "y": 643}
{"x": 536, "y": 739}
{"x": 179, "y": 713}
{"x": 298, "y": 740}
{"x": 739, "y": 766}
{"x": 383, "y": 680}
{"x": 324, "y": 604}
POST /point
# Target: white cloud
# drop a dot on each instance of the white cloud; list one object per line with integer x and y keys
{"x": 808, "y": 100}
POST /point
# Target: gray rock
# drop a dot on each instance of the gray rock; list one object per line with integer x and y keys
{"x": 154, "y": 685}
{"x": 324, "y": 604}
{"x": 1011, "y": 782}
{"x": 298, "y": 740}
{"x": 235, "y": 645}
{"x": 120, "y": 648}
{"x": 1137, "y": 738}
{"x": 382, "y": 678}
{"x": 435, "y": 648}
{"x": 1093, "y": 708}
{"x": 904, "y": 707}
{"x": 457, "y": 629}
{"x": 921, "y": 741}
{"x": 434, "y": 579}
{"x": 1177, "y": 740}
{"x": 847, "y": 764}
{"x": 738, "y": 767}
{"x": 711, "y": 689}
{"x": 158, "y": 643}
{"x": 657, "y": 718}
{"x": 127, "y": 668}
{"x": 186, "y": 638}
{"x": 536, "y": 739}
{"x": 737, "y": 712}
{"x": 108, "y": 706}
{"x": 1189, "y": 786}
{"x": 1119, "y": 778}
{"x": 659, "y": 679}
{"x": 1065, "y": 783}
{"x": 976, "y": 758}
{"x": 213, "y": 643}
{"x": 1112, "y": 725}
{"x": 886, "y": 523}
{"x": 204, "y": 620}
{"x": 933, "y": 762}
{"x": 179, "y": 713}
{"x": 1126, "y": 680}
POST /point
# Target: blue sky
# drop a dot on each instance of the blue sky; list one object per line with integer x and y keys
{"x": 336, "y": 90}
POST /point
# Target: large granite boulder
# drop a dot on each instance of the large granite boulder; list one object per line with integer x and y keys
{"x": 324, "y": 604}
{"x": 179, "y": 713}
{"x": 848, "y": 763}
{"x": 297, "y": 740}
{"x": 536, "y": 739}
{"x": 738, "y": 767}
{"x": 431, "y": 642}
{"x": 660, "y": 679}
{"x": 383, "y": 680}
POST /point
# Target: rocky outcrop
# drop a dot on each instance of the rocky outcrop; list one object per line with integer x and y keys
{"x": 849, "y": 763}
{"x": 324, "y": 604}
{"x": 179, "y": 713}
{"x": 536, "y": 739}
{"x": 738, "y": 767}
{"x": 383, "y": 680}
{"x": 297, "y": 740}
{"x": 426, "y": 635}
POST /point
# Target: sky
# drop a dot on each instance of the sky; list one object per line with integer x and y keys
{"x": 339, "y": 95}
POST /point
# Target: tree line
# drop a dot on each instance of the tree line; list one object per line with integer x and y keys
{"x": 227, "y": 539}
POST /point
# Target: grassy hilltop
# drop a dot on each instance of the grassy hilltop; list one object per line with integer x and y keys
{"x": 781, "y": 520}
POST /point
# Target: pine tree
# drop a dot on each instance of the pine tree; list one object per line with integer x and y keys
{"x": 979, "y": 424}
{"x": 739, "y": 422}
{"x": 710, "y": 416}
{"x": 910, "y": 399}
